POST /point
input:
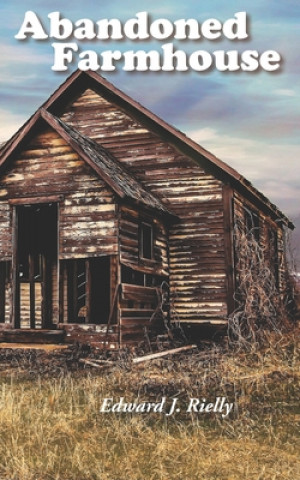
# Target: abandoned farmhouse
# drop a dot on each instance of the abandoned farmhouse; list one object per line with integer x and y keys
{"x": 114, "y": 224}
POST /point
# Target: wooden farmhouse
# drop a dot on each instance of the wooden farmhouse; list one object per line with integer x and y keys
{"x": 115, "y": 225}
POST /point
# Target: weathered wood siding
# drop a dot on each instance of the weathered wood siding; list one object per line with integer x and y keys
{"x": 25, "y": 304}
{"x": 130, "y": 219}
{"x": 87, "y": 211}
{"x": 137, "y": 304}
{"x": 87, "y": 219}
{"x": 197, "y": 259}
{"x": 5, "y": 231}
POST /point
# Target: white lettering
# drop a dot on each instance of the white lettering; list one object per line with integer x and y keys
{"x": 109, "y": 29}
{"x": 200, "y": 61}
{"x": 107, "y": 59}
{"x": 161, "y": 29}
{"x": 236, "y": 28}
{"x": 85, "y": 29}
{"x": 137, "y": 29}
{"x": 211, "y": 29}
{"x": 181, "y": 29}
{"x": 60, "y": 28}
{"x": 270, "y": 60}
{"x": 89, "y": 61}
{"x": 31, "y": 25}
{"x": 142, "y": 61}
{"x": 250, "y": 60}
{"x": 63, "y": 52}
{"x": 227, "y": 61}
{"x": 170, "y": 56}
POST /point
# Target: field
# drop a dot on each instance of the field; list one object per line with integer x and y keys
{"x": 51, "y": 426}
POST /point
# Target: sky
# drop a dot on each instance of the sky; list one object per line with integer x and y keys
{"x": 250, "y": 120}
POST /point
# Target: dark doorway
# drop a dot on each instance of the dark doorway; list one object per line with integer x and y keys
{"x": 36, "y": 265}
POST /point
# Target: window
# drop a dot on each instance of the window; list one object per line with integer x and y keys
{"x": 86, "y": 289}
{"x": 146, "y": 241}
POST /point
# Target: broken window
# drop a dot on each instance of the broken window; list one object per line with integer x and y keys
{"x": 146, "y": 241}
{"x": 85, "y": 290}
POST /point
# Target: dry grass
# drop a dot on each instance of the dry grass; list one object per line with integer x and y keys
{"x": 52, "y": 429}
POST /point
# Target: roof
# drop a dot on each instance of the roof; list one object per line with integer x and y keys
{"x": 101, "y": 161}
{"x": 124, "y": 184}
{"x": 80, "y": 81}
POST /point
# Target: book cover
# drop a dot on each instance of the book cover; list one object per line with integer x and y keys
{"x": 149, "y": 276}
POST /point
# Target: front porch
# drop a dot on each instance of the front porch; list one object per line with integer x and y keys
{"x": 135, "y": 315}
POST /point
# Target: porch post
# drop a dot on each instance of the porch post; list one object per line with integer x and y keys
{"x": 15, "y": 281}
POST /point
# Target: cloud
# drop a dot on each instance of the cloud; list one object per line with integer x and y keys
{"x": 285, "y": 92}
{"x": 10, "y": 123}
{"x": 270, "y": 167}
{"x": 22, "y": 55}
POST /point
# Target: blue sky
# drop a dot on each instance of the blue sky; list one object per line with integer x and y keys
{"x": 249, "y": 120}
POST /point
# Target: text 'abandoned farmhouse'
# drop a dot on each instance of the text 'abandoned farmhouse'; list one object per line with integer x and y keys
{"x": 114, "y": 224}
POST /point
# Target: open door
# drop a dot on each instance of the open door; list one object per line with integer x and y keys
{"x": 35, "y": 265}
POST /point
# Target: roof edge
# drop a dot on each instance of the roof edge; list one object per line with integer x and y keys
{"x": 179, "y": 139}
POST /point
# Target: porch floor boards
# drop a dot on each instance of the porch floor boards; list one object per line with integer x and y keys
{"x": 33, "y": 346}
{"x": 29, "y": 336}
{"x": 64, "y": 336}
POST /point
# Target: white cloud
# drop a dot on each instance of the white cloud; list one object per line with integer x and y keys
{"x": 272, "y": 168}
{"x": 285, "y": 92}
{"x": 18, "y": 57}
{"x": 228, "y": 148}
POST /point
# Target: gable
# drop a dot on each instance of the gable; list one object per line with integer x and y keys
{"x": 95, "y": 155}
{"x": 48, "y": 167}
{"x": 47, "y": 164}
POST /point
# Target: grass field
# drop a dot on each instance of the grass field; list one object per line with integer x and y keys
{"x": 51, "y": 427}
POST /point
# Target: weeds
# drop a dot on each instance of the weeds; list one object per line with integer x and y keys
{"x": 51, "y": 428}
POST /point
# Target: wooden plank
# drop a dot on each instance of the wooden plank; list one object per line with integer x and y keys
{"x": 95, "y": 364}
{"x": 33, "y": 336}
{"x": 15, "y": 310}
{"x": 155, "y": 356}
{"x": 134, "y": 321}
{"x": 138, "y": 293}
{"x": 31, "y": 289}
{"x": 35, "y": 200}
{"x": 2, "y": 291}
{"x": 47, "y": 294}
{"x": 131, "y": 312}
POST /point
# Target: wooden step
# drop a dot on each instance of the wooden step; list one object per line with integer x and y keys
{"x": 23, "y": 335}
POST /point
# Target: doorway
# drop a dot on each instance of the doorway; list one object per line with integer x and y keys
{"x": 36, "y": 265}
